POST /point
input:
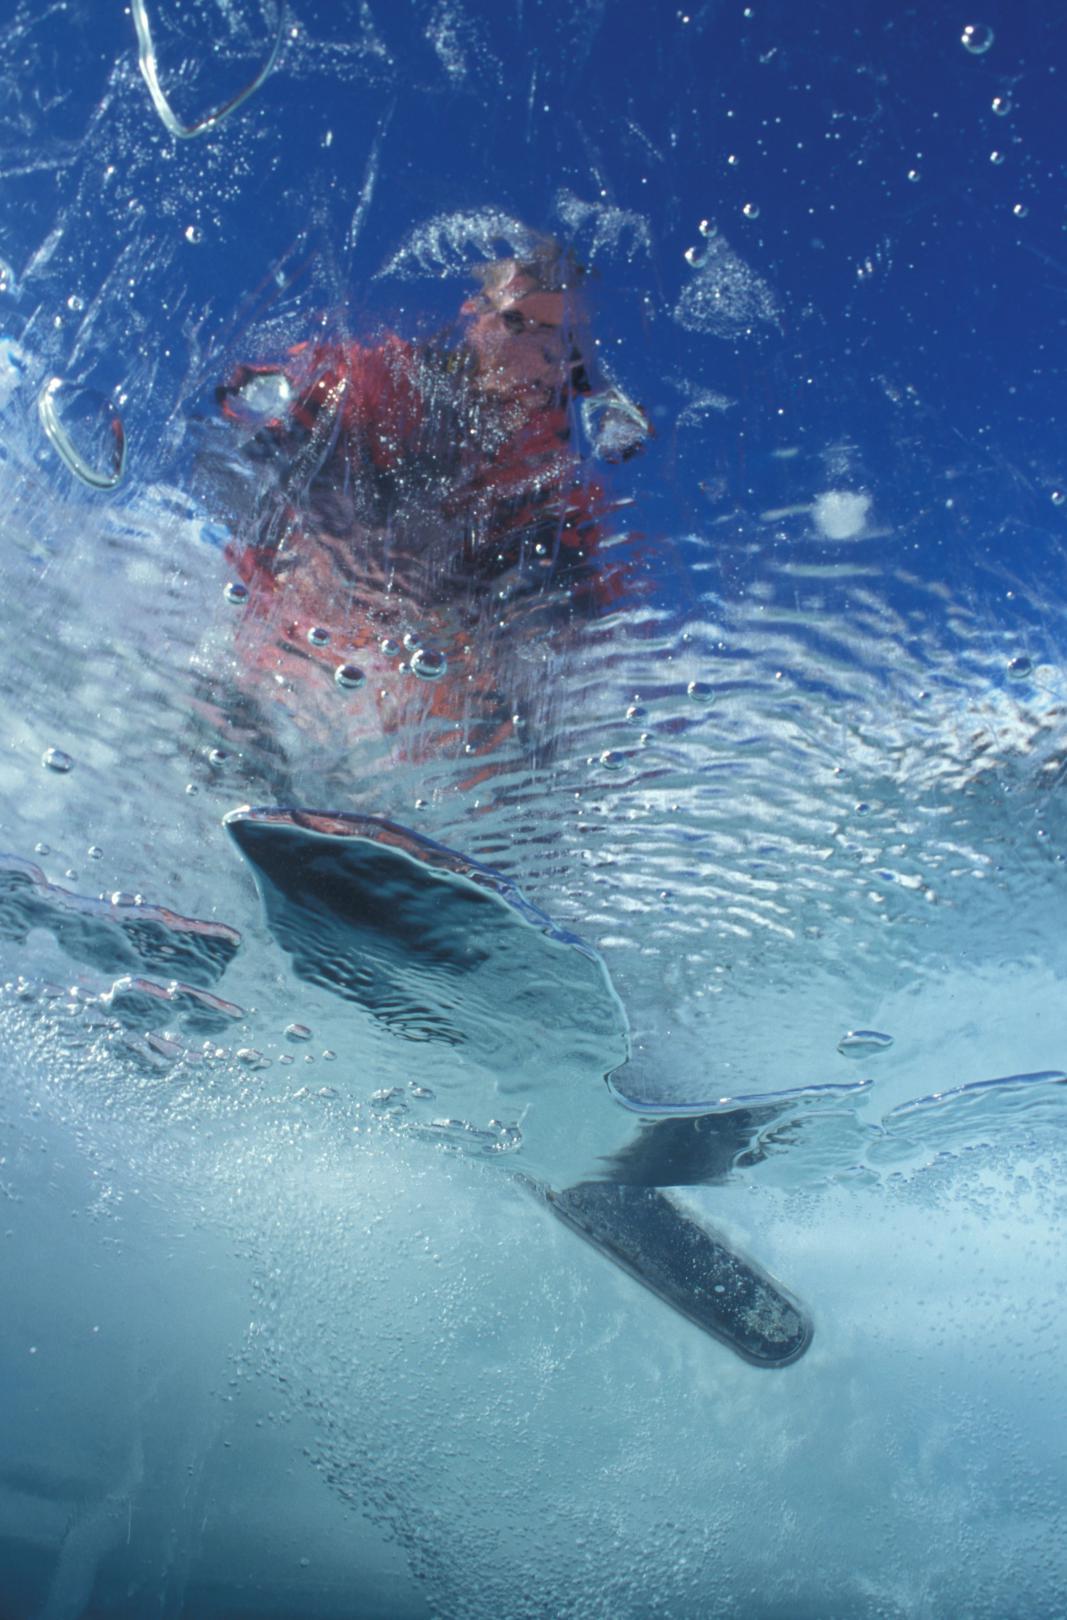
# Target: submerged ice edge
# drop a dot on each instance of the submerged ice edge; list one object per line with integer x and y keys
{"x": 740, "y": 1099}
{"x": 973, "y": 1090}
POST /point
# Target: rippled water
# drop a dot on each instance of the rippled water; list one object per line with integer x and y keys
{"x": 273, "y": 1351}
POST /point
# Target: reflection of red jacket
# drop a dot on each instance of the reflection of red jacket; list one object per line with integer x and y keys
{"x": 410, "y": 425}
{"x": 408, "y": 497}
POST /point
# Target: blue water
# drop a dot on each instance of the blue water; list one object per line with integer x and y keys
{"x": 265, "y": 1349}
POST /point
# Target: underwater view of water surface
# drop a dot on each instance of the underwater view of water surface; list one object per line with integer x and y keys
{"x": 586, "y": 484}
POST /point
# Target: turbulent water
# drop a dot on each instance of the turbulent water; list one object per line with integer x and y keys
{"x": 267, "y": 1350}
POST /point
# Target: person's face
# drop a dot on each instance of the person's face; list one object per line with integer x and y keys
{"x": 516, "y": 331}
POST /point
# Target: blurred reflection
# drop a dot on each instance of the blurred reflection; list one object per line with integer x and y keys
{"x": 425, "y": 509}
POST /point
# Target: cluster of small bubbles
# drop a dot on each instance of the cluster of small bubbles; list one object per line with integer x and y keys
{"x": 508, "y": 1137}
{"x": 700, "y": 692}
{"x": 612, "y": 759}
{"x": 1057, "y": 497}
{"x": 977, "y": 38}
{"x": 349, "y": 676}
{"x": 428, "y": 663}
{"x": 7, "y": 276}
{"x": 1020, "y": 668}
{"x": 318, "y": 636}
{"x": 388, "y": 647}
{"x": 56, "y": 760}
{"x": 389, "y": 1100}
{"x": 1002, "y": 106}
{"x": 996, "y": 158}
{"x": 913, "y": 175}
{"x": 858, "y": 1041}
{"x": 194, "y": 235}
{"x": 751, "y": 210}
{"x": 235, "y": 592}
{"x": 297, "y": 1032}
{"x": 1020, "y": 210}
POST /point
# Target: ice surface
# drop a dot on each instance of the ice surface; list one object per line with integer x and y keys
{"x": 267, "y": 1348}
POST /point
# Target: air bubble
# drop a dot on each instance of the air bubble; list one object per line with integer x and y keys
{"x": 75, "y": 304}
{"x": 1002, "y": 106}
{"x": 412, "y": 641}
{"x": 318, "y": 636}
{"x": 1020, "y": 668}
{"x": 612, "y": 759}
{"x": 85, "y": 430}
{"x": 236, "y": 593}
{"x": 751, "y": 210}
{"x": 1057, "y": 497}
{"x": 733, "y": 160}
{"x": 914, "y": 175}
{"x": 56, "y": 760}
{"x": 860, "y": 1041}
{"x": 700, "y": 692}
{"x": 615, "y": 427}
{"x": 428, "y": 664}
{"x": 264, "y": 398}
{"x": 977, "y": 38}
{"x": 388, "y": 1100}
{"x": 636, "y": 712}
{"x": 1020, "y": 210}
{"x": 146, "y": 57}
{"x": 696, "y": 257}
{"x": 996, "y": 158}
{"x": 389, "y": 648}
{"x": 349, "y": 676}
{"x": 297, "y": 1032}
{"x": 193, "y": 235}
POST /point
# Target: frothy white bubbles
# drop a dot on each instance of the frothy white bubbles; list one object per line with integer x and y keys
{"x": 725, "y": 298}
{"x": 841, "y": 514}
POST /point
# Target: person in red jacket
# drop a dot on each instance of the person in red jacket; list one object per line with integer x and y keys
{"x": 421, "y": 501}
